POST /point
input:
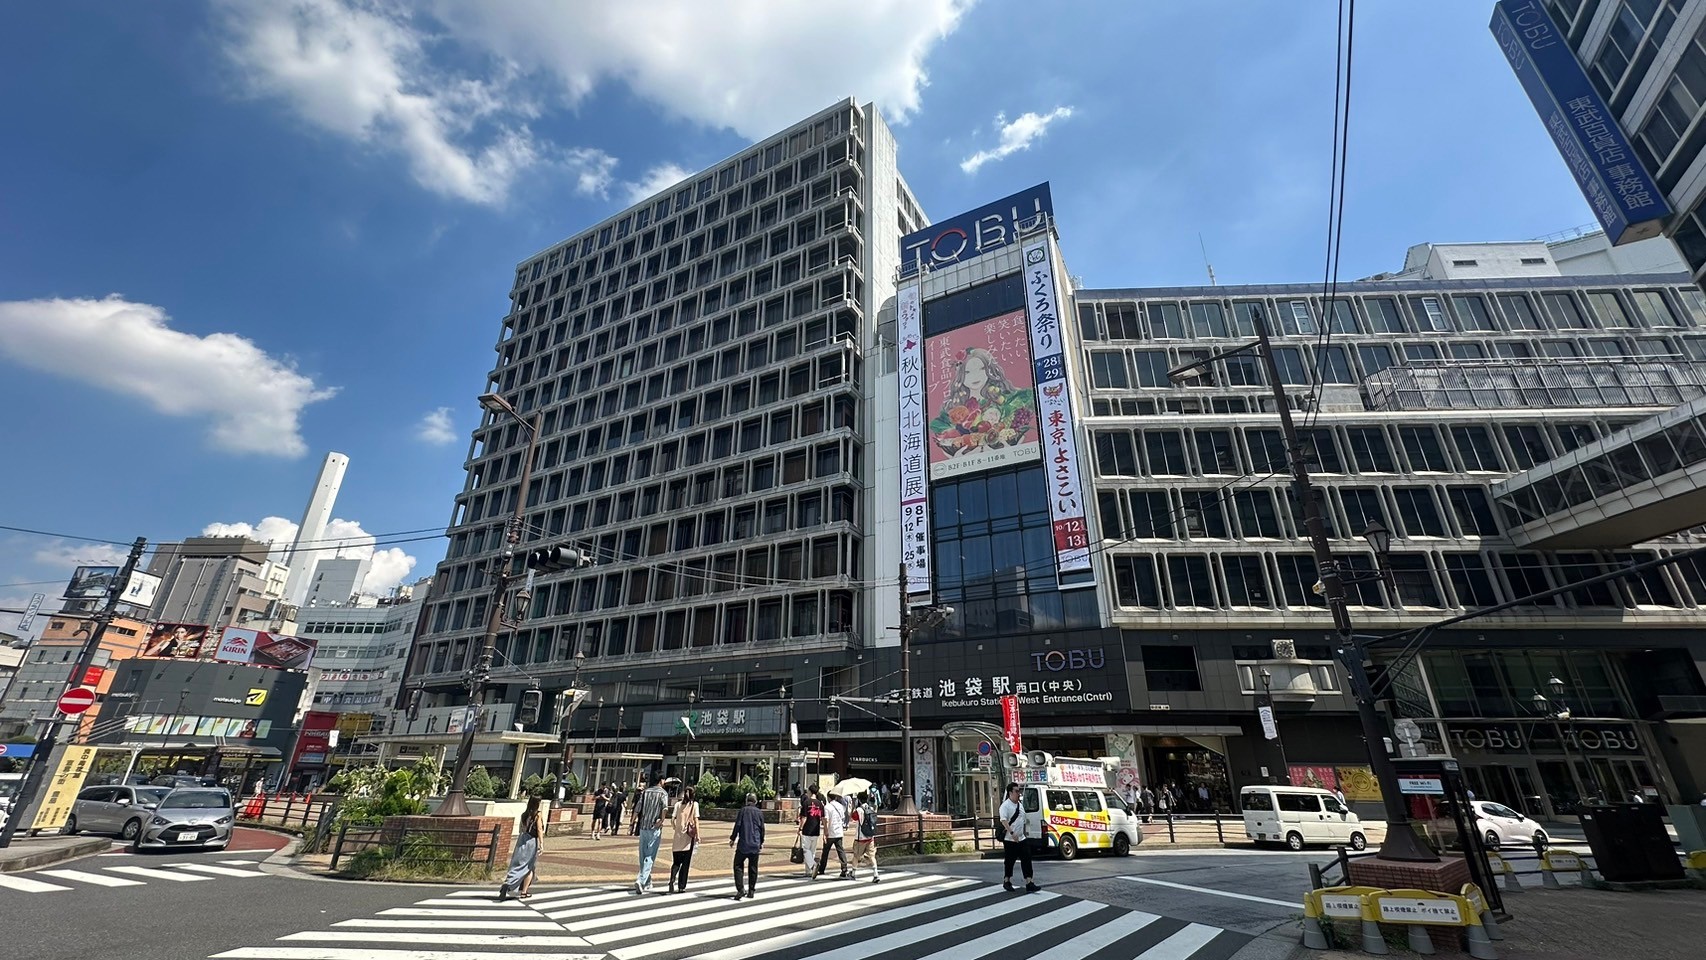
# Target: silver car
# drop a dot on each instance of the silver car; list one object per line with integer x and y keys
{"x": 114, "y": 809}
{"x": 189, "y": 817}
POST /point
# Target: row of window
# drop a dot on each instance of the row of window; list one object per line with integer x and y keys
{"x": 1433, "y": 580}
{"x": 1670, "y": 138}
{"x": 1452, "y": 511}
{"x": 1367, "y": 313}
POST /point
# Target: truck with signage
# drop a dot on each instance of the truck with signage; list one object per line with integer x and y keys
{"x": 1071, "y": 805}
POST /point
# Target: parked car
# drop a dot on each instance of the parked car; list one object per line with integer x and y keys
{"x": 178, "y": 780}
{"x": 113, "y": 809}
{"x": 189, "y": 817}
{"x": 1296, "y": 816}
{"x": 1498, "y": 825}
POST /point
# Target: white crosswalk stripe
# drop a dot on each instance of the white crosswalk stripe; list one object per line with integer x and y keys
{"x": 112, "y": 875}
{"x": 909, "y": 916}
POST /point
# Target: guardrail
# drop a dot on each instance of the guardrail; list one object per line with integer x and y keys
{"x": 302, "y": 811}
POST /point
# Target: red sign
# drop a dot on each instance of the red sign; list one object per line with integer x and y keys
{"x": 1010, "y": 722}
{"x": 91, "y": 676}
{"x": 76, "y": 700}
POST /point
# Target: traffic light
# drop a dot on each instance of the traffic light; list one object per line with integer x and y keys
{"x": 558, "y": 558}
{"x": 832, "y": 718}
{"x": 531, "y": 700}
{"x": 415, "y": 704}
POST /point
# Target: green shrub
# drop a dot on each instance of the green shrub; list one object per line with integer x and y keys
{"x": 483, "y": 786}
{"x": 939, "y": 842}
{"x": 416, "y": 858}
{"x": 709, "y": 787}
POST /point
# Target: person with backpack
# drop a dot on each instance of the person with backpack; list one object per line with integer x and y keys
{"x": 834, "y": 833}
{"x": 811, "y": 827}
{"x": 648, "y": 820}
{"x": 1015, "y": 840}
{"x": 865, "y": 835}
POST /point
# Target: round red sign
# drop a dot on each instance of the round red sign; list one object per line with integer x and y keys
{"x": 76, "y": 700}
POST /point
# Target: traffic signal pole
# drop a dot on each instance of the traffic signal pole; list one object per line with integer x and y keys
{"x": 49, "y": 737}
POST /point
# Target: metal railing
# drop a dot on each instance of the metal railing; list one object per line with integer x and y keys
{"x": 300, "y": 811}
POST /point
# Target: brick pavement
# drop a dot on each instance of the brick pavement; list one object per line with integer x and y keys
{"x": 580, "y": 859}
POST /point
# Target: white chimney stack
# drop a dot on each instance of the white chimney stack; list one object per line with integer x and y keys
{"x": 309, "y": 548}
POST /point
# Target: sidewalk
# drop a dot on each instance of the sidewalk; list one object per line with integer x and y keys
{"x": 29, "y": 853}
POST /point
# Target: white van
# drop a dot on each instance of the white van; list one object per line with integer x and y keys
{"x": 1295, "y": 816}
{"x": 1068, "y": 819}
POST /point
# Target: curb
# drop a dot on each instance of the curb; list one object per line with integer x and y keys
{"x": 48, "y": 858}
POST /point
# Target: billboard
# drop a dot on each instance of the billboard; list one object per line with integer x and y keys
{"x": 175, "y": 641}
{"x": 263, "y": 649}
{"x": 975, "y": 233}
{"x": 141, "y": 589}
{"x": 914, "y": 458}
{"x": 1054, "y": 408}
{"x": 979, "y": 383}
{"x": 90, "y": 583}
{"x": 1624, "y": 198}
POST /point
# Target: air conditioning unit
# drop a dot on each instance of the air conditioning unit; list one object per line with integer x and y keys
{"x": 1285, "y": 649}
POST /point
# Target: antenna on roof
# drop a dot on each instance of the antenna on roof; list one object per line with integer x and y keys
{"x": 1208, "y": 266}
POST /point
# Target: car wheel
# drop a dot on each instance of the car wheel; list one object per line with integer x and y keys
{"x": 1359, "y": 842}
{"x": 71, "y": 826}
{"x": 1122, "y": 845}
{"x": 1294, "y": 841}
{"x": 1492, "y": 840}
{"x": 132, "y": 830}
{"x": 1068, "y": 847}
{"x": 1540, "y": 838}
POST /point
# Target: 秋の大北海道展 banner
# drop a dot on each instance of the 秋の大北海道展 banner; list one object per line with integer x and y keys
{"x": 982, "y": 397}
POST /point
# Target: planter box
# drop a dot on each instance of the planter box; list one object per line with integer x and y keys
{"x": 510, "y": 810}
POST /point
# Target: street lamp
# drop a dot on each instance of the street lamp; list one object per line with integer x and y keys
{"x": 1559, "y": 712}
{"x": 1401, "y": 841}
{"x": 455, "y": 801}
{"x": 1279, "y": 741}
{"x": 566, "y": 723}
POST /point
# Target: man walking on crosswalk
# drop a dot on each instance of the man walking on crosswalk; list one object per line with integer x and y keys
{"x": 648, "y": 814}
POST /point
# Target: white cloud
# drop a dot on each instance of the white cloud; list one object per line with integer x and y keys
{"x": 253, "y": 400}
{"x": 373, "y": 71}
{"x": 436, "y": 428}
{"x": 343, "y": 538}
{"x": 66, "y": 553}
{"x": 657, "y": 179}
{"x": 1017, "y": 135}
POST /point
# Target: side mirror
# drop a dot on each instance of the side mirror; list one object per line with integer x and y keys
{"x": 124, "y": 801}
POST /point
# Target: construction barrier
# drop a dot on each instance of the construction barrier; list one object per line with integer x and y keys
{"x": 1478, "y": 902}
{"x": 1416, "y": 910}
{"x": 1553, "y": 862}
{"x": 1502, "y": 868}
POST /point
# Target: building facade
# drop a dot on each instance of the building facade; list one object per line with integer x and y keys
{"x": 46, "y": 666}
{"x": 336, "y": 581}
{"x": 219, "y": 582}
{"x": 360, "y": 656}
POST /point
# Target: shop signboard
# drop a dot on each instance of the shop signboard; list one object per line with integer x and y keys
{"x": 1010, "y": 723}
{"x": 710, "y": 720}
{"x": 975, "y": 232}
{"x": 175, "y": 641}
{"x": 914, "y": 456}
{"x": 1080, "y": 672}
{"x": 62, "y": 788}
{"x": 982, "y": 397}
{"x": 90, "y": 583}
{"x": 263, "y": 649}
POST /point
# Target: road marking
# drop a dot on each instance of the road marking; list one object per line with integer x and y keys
{"x": 448, "y": 939}
{"x": 26, "y": 885}
{"x": 221, "y": 871}
{"x": 98, "y": 879}
{"x": 498, "y": 925}
{"x": 341, "y": 953}
{"x": 1217, "y": 893}
{"x": 154, "y": 874}
{"x": 797, "y": 938}
{"x": 1007, "y": 936}
{"x": 246, "y": 863}
{"x": 495, "y": 910}
{"x": 1181, "y": 945}
{"x": 262, "y": 850}
{"x": 462, "y": 902}
{"x": 1103, "y": 935}
{"x": 681, "y": 916}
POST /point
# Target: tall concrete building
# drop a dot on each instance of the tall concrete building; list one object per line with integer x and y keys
{"x": 306, "y": 550}
{"x": 218, "y": 582}
{"x": 45, "y": 668}
{"x": 1621, "y": 87}
{"x": 358, "y": 665}
{"x": 697, "y": 364}
{"x": 335, "y": 581}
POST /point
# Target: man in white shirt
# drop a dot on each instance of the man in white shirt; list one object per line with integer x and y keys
{"x": 1016, "y": 843}
{"x": 834, "y": 832}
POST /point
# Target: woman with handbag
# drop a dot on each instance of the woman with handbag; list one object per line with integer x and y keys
{"x": 684, "y": 839}
{"x": 524, "y": 862}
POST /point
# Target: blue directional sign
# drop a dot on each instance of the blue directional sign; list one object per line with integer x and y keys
{"x": 17, "y": 751}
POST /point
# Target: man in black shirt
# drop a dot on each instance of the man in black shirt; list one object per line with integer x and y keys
{"x": 811, "y": 829}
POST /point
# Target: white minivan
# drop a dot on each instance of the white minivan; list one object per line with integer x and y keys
{"x": 1068, "y": 820}
{"x": 1296, "y": 816}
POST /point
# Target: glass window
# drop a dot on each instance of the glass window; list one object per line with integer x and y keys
{"x": 1165, "y": 321}
{"x": 1566, "y": 313}
{"x": 1204, "y": 512}
{"x": 1256, "y": 514}
{"x": 1289, "y": 362}
{"x": 1527, "y": 575}
{"x": 1362, "y": 509}
{"x": 1472, "y": 313}
{"x": 1208, "y": 319}
{"x": 1321, "y": 448}
{"x": 1421, "y": 352}
{"x": 1560, "y": 348}
{"x": 1473, "y": 510}
{"x": 1296, "y": 318}
{"x": 1134, "y": 582}
{"x": 1244, "y": 318}
{"x": 1165, "y": 452}
{"x": 1190, "y": 583}
{"x": 1169, "y": 668}
{"x": 1468, "y": 351}
{"x": 1267, "y": 450}
{"x": 1475, "y": 448}
{"x": 1470, "y": 579}
{"x": 1383, "y": 315}
{"x": 1116, "y": 456}
{"x": 1151, "y": 515}
{"x": 1108, "y": 370}
{"x": 1369, "y": 450}
{"x": 1335, "y": 363}
{"x": 1415, "y": 583}
{"x": 1431, "y": 315}
{"x": 1246, "y": 586}
{"x": 1422, "y": 446}
{"x": 1216, "y": 453}
{"x": 1151, "y": 368}
{"x": 1609, "y": 309}
{"x": 1123, "y": 321}
{"x": 1652, "y": 308}
{"x": 1299, "y": 802}
{"x": 1297, "y": 578}
{"x": 1087, "y": 801}
{"x": 1528, "y": 446}
{"x": 1417, "y": 512}
{"x": 1374, "y": 357}
{"x": 1344, "y": 317}
{"x": 1519, "y": 313}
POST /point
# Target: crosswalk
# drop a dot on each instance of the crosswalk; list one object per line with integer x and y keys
{"x": 907, "y": 917}
{"x": 68, "y": 879}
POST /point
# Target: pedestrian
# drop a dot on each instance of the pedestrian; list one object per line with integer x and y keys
{"x": 649, "y": 812}
{"x": 1203, "y": 802}
{"x": 811, "y": 827}
{"x": 747, "y": 841}
{"x": 600, "y": 807}
{"x": 1147, "y": 799}
{"x": 1016, "y": 841}
{"x": 684, "y": 839}
{"x": 524, "y": 862}
{"x": 634, "y": 805}
{"x": 834, "y": 834}
{"x": 613, "y": 813}
{"x": 865, "y": 834}
{"x": 1165, "y": 799}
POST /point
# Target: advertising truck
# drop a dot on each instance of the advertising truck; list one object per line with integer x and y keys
{"x": 1070, "y": 806}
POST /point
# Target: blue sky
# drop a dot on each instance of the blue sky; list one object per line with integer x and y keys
{"x": 236, "y": 236}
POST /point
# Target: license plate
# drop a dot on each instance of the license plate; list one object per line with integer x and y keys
{"x": 188, "y": 834}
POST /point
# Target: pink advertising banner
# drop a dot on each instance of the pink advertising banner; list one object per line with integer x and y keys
{"x": 979, "y": 382}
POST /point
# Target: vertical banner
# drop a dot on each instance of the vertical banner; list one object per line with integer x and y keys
{"x": 62, "y": 789}
{"x": 914, "y": 455}
{"x": 1010, "y": 723}
{"x": 1054, "y": 407}
{"x": 924, "y": 772}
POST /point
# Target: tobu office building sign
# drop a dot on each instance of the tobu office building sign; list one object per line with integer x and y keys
{"x": 1076, "y": 672}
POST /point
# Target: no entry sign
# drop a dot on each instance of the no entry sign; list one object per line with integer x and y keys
{"x": 76, "y": 700}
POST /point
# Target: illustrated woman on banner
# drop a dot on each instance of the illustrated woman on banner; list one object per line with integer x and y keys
{"x": 983, "y": 410}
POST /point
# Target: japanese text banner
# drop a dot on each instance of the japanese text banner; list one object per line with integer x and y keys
{"x": 1054, "y": 409}
{"x": 914, "y": 455}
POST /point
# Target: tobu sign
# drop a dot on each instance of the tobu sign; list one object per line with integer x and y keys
{"x": 976, "y": 232}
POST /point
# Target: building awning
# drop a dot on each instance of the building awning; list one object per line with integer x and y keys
{"x": 226, "y": 750}
{"x": 489, "y": 738}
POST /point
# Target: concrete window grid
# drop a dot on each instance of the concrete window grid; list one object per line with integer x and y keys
{"x": 819, "y": 193}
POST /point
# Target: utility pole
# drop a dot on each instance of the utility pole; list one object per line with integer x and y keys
{"x": 908, "y": 807}
{"x": 50, "y": 729}
{"x": 1401, "y": 842}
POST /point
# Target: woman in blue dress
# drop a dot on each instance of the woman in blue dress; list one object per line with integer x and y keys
{"x": 524, "y": 862}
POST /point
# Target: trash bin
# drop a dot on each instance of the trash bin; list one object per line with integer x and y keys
{"x": 1690, "y": 823}
{"x": 1630, "y": 844}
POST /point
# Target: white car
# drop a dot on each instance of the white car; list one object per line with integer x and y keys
{"x": 1499, "y": 825}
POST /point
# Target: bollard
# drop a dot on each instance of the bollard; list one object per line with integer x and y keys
{"x": 1373, "y": 941}
{"x": 1313, "y": 936}
{"x": 1475, "y": 936}
{"x": 1420, "y": 942}
{"x": 1478, "y": 905}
